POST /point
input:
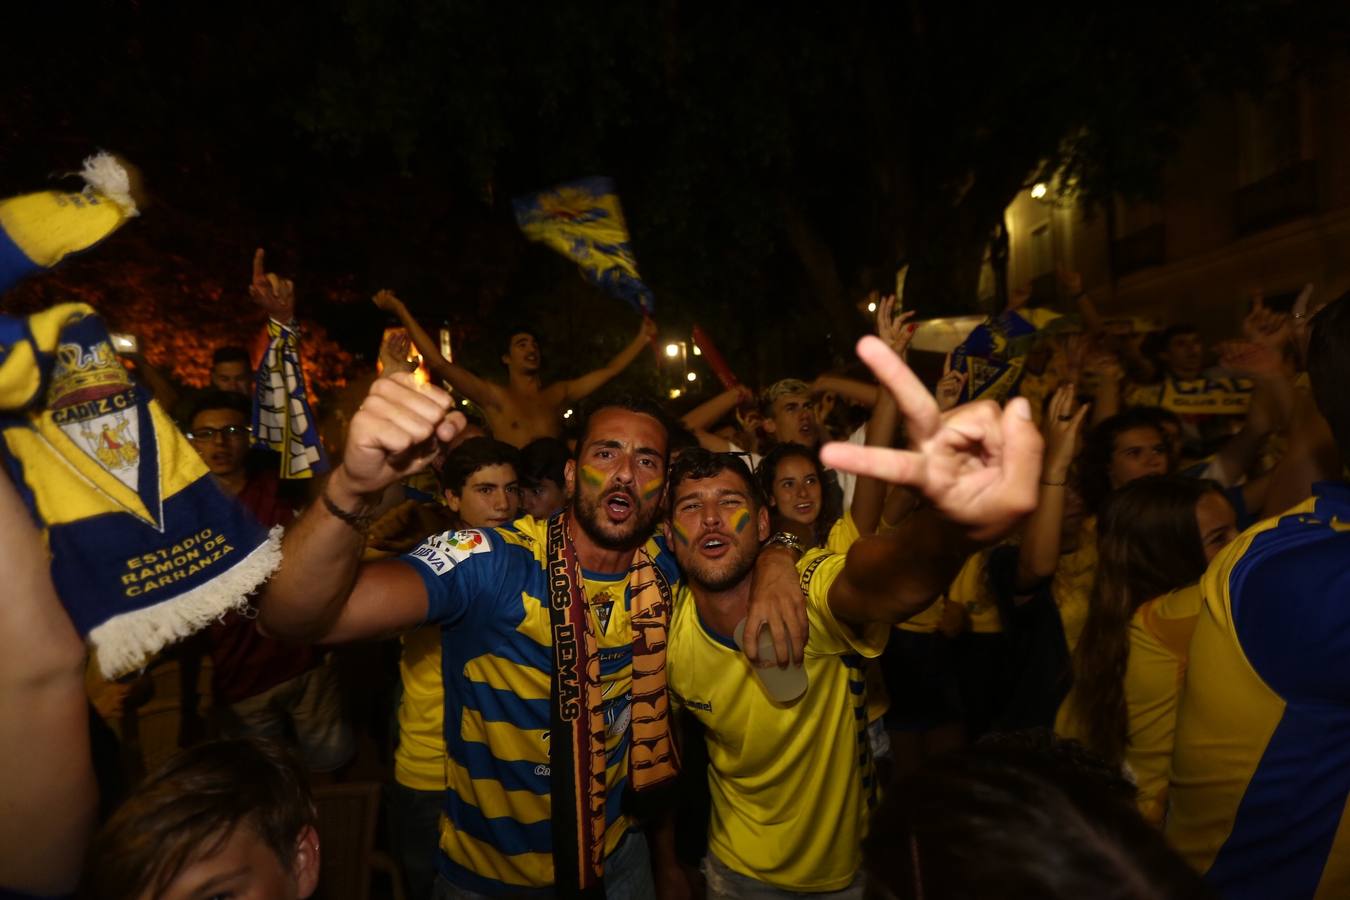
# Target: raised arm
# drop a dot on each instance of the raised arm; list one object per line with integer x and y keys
{"x": 587, "y": 384}
{"x": 47, "y": 790}
{"x": 869, "y": 495}
{"x": 977, "y": 466}
{"x": 1039, "y": 554}
{"x": 859, "y": 392}
{"x": 707, "y": 413}
{"x": 482, "y": 392}
{"x": 321, "y": 593}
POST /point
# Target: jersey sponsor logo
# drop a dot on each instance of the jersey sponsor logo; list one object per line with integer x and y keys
{"x": 704, "y": 705}
{"x": 442, "y": 552}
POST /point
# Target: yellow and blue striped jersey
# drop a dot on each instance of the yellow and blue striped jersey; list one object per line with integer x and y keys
{"x": 791, "y": 784}
{"x": 1261, "y": 764}
{"x": 488, "y": 590}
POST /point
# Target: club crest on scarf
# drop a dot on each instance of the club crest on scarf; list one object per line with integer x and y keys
{"x": 93, "y": 402}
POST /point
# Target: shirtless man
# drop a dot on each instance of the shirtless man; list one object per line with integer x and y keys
{"x": 524, "y": 408}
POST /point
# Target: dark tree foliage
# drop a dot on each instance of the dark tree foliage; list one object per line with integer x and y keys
{"x": 775, "y": 162}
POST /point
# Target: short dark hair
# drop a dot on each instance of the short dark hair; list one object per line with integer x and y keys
{"x": 543, "y": 458}
{"x": 698, "y": 463}
{"x": 767, "y": 469}
{"x": 189, "y": 808}
{"x": 630, "y": 402}
{"x": 515, "y": 331}
{"x": 1035, "y": 818}
{"x": 213, "y": 399}
{"x": 1329, "y": 368}
{"x": 1094, "y": 474}
{"x": 230, "y": 353}
{"x": 472, "y": 455}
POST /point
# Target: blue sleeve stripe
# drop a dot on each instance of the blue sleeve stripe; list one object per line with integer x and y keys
{"x": 614, "y": 801}
{"x": 503, "y": 706}
{"x": 515, "y": 648}
{"x": 1288, "y": 818}
{"x": 513, "y": 775}
{"x": 14, "y": 263}
{"x": 508, "y": 836}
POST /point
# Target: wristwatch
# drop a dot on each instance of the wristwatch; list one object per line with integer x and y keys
{"x": 786, "y": 539}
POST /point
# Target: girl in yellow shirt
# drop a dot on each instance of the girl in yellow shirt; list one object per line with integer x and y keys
{"x": 1155, "y": 536}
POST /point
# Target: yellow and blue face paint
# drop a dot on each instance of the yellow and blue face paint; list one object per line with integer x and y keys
{"x": 652, "y": 488}
{"x": 739, "y": 519}
{"x": 592, "y": 476}
{"x": 680, "y": 534}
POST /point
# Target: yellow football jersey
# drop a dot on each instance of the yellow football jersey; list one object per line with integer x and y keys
{"x": 419, "y": 760}
{"x": 1160, "y": 636}
{"x": 791, "y": 784}
{"x": 1261, "y": 764}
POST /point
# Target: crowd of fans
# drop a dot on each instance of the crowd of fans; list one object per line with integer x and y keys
{"x": 1078, "y": 639}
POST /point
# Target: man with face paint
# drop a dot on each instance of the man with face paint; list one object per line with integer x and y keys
{"x": 792, "y": 783}
{"x": 539, "y": 620}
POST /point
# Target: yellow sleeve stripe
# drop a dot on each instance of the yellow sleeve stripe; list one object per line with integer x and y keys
{"x": 48, "y": 225}
{"x": 524, "y": 869}
{"x": 495, "y": 801}
{"x": 499, "y": 735}
{"x": 525, "y": 682}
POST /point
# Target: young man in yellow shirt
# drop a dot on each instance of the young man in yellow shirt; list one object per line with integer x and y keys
{"x": 792, "y": 784}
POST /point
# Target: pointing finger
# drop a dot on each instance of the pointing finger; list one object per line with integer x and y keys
{"x": 911, "y": 397}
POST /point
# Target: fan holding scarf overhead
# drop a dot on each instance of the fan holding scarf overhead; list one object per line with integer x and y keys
{"x": 282, "y": 417}
{"x": 145, "y": 548}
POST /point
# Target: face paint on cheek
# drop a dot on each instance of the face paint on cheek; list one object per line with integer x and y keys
{"x": 592, "y": 476}
{"x": 739, "y": 519}
{"x": 652, "y": 488}
{"x": 680, "y": 534}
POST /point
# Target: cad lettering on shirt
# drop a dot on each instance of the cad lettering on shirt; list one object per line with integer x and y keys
{"x": 440, "y": 553}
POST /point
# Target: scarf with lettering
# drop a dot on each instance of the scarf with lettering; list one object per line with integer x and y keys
{"x": 39, "y": 230}
{"x": 577, "y": 745}
{"x": 282, "y": 418}
{"x": 145, "y": 547}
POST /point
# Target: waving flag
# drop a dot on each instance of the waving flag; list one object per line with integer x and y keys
{"x": 994, "y": 355}
{"x": 583, "y": 221}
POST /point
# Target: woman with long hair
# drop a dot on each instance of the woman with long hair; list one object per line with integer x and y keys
{"x": 1155, "y": 536}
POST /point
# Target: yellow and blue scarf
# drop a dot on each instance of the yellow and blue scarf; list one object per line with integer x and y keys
{"x": 145, "y": 547}
{"x": 38, "y": 230}
{"x": 282, "y": 418}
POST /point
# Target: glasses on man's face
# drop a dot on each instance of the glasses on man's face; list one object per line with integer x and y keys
{"x": 227, "y": 434}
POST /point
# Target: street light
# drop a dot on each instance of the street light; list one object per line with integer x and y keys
{"x": 672, "y": 350}
{"x": 872, "y": 306}
{"x": 1039, "y": 190}
{"x": 692, "y": 376}
{"x": 675, "y": 393}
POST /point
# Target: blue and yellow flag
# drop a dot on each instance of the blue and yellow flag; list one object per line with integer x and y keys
{"x": 583, "y": 221}
{"x": 994, "y": 355}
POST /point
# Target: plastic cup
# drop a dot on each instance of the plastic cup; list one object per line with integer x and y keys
{"x": 782, "y": 685}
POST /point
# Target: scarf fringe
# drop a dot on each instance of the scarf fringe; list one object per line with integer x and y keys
{"x": 104, "y": 174}
{"x": 125, "y": 642}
